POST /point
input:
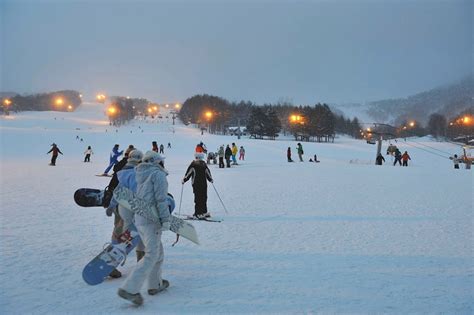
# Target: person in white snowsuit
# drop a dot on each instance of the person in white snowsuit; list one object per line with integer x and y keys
{"x": 152, "y": 186}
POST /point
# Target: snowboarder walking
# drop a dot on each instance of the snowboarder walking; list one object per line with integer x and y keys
{"x": 200, "y": 174}
{"x": 405, "y": 158}
{"x": 299, "y": 147}
{"x": 288, "y": 154}
{"x": 242, "y": 153}
{"x": 88, "y": 153}
{"x": 379, "y": 160}
{"x": 152, "y": 186}
{"x": 114, "y": 155}
{"x": 234, "y": 153}
{"x": 56, "y": 152}
{"x": 227, "y": 155}
{"x": 221, "y": 156}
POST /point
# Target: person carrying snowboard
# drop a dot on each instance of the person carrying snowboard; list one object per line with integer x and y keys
{"x": 200, "y": 174}
{"x": 114, "y": 155}
{"x": 152, "y": 186}
{"x": 221, "y": 156}
{"x": 88, "y": 153}
{"x": 299, "y": 147}
{"x": 379, "y": 159}
{"x": 405, "y": 158}
{"x": 55, "y": 151}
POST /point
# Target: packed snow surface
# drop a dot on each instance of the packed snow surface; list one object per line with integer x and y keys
{"x": 340, "y": 236}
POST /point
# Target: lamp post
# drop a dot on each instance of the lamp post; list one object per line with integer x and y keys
{"x": 208, "y": 115}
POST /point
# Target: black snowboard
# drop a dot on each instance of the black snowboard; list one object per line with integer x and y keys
{"x": 89, "y": 197}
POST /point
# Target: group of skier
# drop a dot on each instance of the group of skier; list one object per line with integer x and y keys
{"x": 229, "y": 153}
{"x": 401, "y": 159}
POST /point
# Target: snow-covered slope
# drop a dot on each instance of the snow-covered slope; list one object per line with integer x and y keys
{"x": 340, "y": 236}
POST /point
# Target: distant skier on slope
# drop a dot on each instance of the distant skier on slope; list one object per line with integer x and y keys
{"x": 379, "y": 160}
{"x": 200, "y": 174}
{"x": 55, "y": 151}
{"x": 221, "y": 156}
{"x": 288, "y": 155}
{"x": 405, "y": 158}
{"x": 113, "y": 159}
{"x": 88, "y": 152}
{"x": 227, "y": 155}
{"x": 299, "y": 147}
{"x": 398, "y": 157}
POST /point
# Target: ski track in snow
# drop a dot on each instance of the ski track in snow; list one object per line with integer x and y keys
{"x": 299, "y": 238}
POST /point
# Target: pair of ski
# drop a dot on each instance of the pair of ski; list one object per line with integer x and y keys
{"x": 194, "y": 218}
{"x": 99, "y": 268}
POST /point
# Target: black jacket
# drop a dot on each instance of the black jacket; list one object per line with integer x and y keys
{"x": 199, "y": 172}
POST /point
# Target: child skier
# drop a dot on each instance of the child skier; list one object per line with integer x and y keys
{"x": 242, "y": 153}
{"x": 55, "y": 151}
{"x": 88, "y": 153}
{"x": 200, "y": 174}
{"x": 405, "y": 158}
{"x": 152, "y": 186}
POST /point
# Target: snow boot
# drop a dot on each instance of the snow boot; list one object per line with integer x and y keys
{"x": 164, "y": 285}
{"x": 134, "y": 298}
{"x": 115, "y": 274}
{"x": 140, "y": 255}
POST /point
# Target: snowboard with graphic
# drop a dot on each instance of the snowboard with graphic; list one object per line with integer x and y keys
{"x": 126, "y": 198}
{"x": 89, "y": 197}
{"x": 99, "y": 268}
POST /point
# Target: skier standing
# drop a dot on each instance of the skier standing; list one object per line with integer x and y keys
{"x": 88, "y": 153}
{"x": 242, "y": 153}
{"x": 162, "y": 149}
{"x": 234, "y": 153}
{"x": 200, "y": 174}
{"x": 288, "y": 154}
{"x": 405, "y": 158}
{"x": 55, "y": 151}
{"x": 152, "y": 186}
{"x": 299, "y": 147}
{"x": 227, "y": 155}
{"x": 154, "y": 146}
{"x": 379, "y": 160}
{"x": 221, "y": 156}
{"x": 456, "y": 161}
{"x": 169, "y": 145}
{"x": 114, "y": 155}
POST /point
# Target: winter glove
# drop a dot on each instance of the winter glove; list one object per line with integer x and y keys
{"x": 182, "y": 182}
{"x": 109, "y": 211}
{"x": 165, "y": 226}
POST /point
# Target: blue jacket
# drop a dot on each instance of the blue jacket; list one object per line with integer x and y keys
{"x": 114, "y": 155}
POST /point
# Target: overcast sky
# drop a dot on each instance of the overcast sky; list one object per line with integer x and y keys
{"x": 302, "y": 51}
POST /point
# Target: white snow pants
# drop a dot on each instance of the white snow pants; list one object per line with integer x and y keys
{"x": 127, "y": 217}
{"x": 149, "y": 267}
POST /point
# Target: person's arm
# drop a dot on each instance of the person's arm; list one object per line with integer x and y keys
{"x": 208, "y": 175}
{"x": 59, "y": 151}
{"x": 189, "y": 173}
{"x": 49, "y": 151}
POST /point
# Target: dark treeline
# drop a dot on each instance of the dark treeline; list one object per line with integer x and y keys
{"x": 314, "y": 123}
{"x": 66, "y": 100}
{"x": 125, "y": 109}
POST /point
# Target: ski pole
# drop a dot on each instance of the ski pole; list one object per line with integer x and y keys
{"x": 219, "y": 198}
{"x": 180, "y": 199}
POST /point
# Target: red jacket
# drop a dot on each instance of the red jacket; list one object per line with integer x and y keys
{"x": 405, "y": 157}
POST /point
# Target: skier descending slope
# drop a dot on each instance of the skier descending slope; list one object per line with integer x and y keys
{"x": 152, "y": 186}
{"x": 114, "y": 155}
{"x": 199, "y": 172}
{"x": 56, "y": 152}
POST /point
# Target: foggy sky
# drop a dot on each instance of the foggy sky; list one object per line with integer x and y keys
{"x": 304, "y": 51}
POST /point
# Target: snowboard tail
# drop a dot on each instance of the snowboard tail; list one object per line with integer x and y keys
{"x": 89, "y": 197}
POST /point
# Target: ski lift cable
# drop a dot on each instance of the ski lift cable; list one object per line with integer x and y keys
{"x": 433, "y": 148}
{"x": 434, "y": 153}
